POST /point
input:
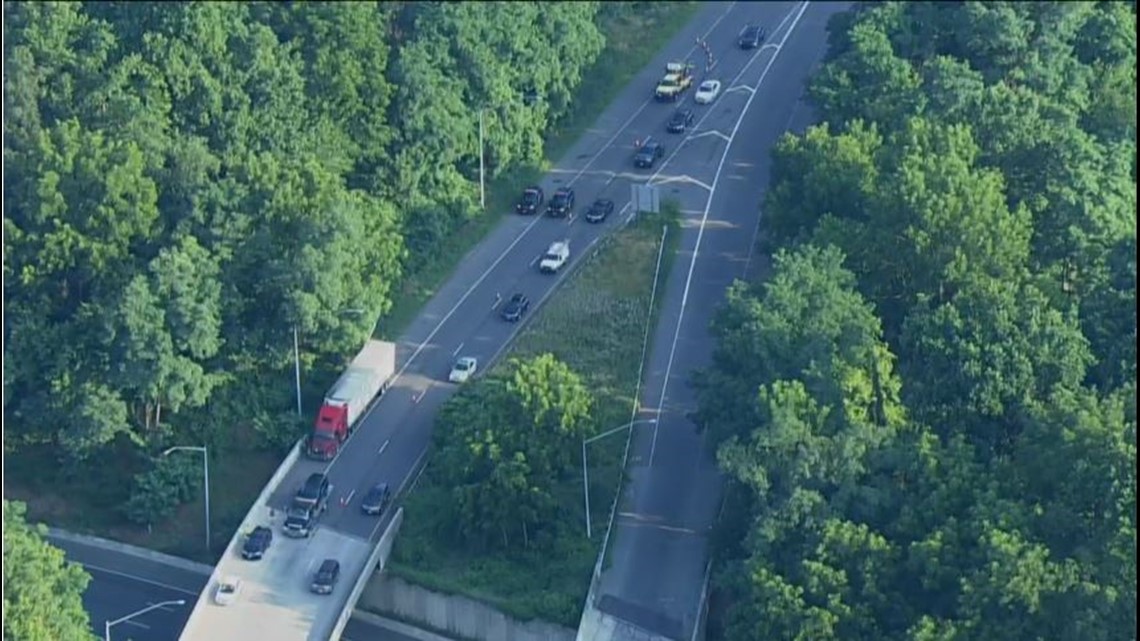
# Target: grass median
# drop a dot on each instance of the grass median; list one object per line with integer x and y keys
{"x": 654, "y": 24}
{"x": 596, "y": 324}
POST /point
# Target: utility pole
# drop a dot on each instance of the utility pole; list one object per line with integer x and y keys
{"x": 297, "y": 368}
{"x": 482, "y": 187}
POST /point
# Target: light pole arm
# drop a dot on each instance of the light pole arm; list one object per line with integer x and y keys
{"x": 618, "y": 429}
{"x": 107, "y": 627}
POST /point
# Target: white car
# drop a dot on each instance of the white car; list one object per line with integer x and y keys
{"x": 228, "y": 590}
{"x": 707, "y": 92}
{"x": 555, "y": 257}
{"x": 464, "y": 368}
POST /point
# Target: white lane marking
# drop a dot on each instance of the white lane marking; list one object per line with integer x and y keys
{"x": 456, "y": 352}
{"x": 687, "y": 180}
{"x": 140, "y": 579}
{"x": 419, "y": 348}
{"x": 383, "y": 447}
{"x": 535, "y": 260}
{"x": 710, "y": 132}
{"x": 705, "y": 217}
{"x": 677, "y": 150}
{"x": 632, "y": 213}
{"x": 744, "y": 88}
{"x": 348, "y": 499}
{"x": 136, "y": 624}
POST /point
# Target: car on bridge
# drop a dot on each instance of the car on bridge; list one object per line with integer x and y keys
{"x": 311, "y": 500}
{"x": 257, "y": 543}
{"x": 228, "y": 590}
{"x": 327, "y": 575}
{"x": 376, "y": 499}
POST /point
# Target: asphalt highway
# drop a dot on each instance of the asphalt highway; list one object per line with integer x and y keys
{"x": 391, "y": 440}
{"x": 719, "y": 175}
{"x": 680, "y": 494}
{"x": 461, "y": 319}
{"x": 123, "y": 583}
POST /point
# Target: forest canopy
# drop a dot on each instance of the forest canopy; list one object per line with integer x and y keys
{"x": 187, "y": 184}
{"x": 927, "y": 412}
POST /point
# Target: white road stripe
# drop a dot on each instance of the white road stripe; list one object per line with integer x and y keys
{"x": 140, "y": 579}
{"x": 705, "y": 216}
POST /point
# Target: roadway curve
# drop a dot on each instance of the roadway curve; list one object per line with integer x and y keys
{"x": 659, "y": 536}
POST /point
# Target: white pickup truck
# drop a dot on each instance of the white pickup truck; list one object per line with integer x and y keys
{"x": 555, "y": 257}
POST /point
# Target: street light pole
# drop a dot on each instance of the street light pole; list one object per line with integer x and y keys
{"x": 205, "y": 480}
{"x": 107, "y": 625}
{"x": 585, "y": 469}
{"x": 482, "y": 187}
{"x": 297, "y": 368}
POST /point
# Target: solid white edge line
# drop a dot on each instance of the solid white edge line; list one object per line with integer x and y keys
{"x": 704, "y": 220}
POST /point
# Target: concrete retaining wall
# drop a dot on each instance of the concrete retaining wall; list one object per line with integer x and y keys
{"x": 453, "y": 614}
{"x": 374, "y": 564}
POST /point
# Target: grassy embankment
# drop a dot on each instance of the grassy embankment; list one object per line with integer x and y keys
{"x": 596, "y": 324}
{"x": 239, "y": 472}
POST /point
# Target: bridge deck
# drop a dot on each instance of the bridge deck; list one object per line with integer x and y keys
{"x": 275, "y": 601}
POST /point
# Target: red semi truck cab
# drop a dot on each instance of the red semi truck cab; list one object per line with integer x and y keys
{"x": 365, "y": 378}
{"x": 329, "y": 432}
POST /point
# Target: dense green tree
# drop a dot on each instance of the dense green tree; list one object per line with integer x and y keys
{"x": 869, "y": 81}
{"x": 42, "y": 591}
{"x": 502, "y": 444}
{"x": 973, "y": 363}
{"x": 991, "y": 225}
{"x": 820, "y": 174}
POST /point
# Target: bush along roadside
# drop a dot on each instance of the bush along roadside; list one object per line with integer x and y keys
{"x": 498, "y": 515}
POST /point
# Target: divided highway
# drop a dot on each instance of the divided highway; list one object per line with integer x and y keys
{"x": 660, "y": 533}
{"x": 390, "y": 442}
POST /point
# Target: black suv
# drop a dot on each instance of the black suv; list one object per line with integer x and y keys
{"x": 648, "y": 154}
{"x": 531, "y": 200}
{"x": 515, "y": 308}
{"x": 301, "y": 518}
{"x": 315, "y": 491}
{"x": 257, "y": 543}
{"x": 751, "y": 37}
{"x": 326, "y": 578}
{"x": 561, "y": 202}
{"x": 681, "y": 120}
{"x": 376, "y": 499}
{"x": 599, "y": 211}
